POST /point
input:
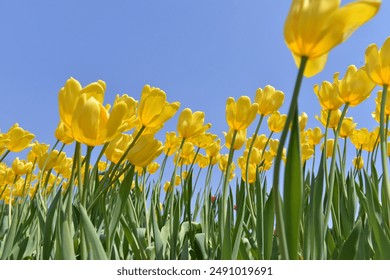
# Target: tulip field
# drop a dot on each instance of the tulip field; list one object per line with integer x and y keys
{"x": 124, "y": 194}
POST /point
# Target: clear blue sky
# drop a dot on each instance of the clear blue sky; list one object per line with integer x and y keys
{"x": 199, "y": 52}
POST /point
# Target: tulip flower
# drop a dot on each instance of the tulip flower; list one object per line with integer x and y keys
{"x": 144, "y": 151}
{"x": 347, "y": 127}
{"x": 191, "y": 125}
{"x": 356, "y": 86}
{"x": 172, "y": 143}
{"x": 239, "y": 141}
{"x": 329, "y": 95}
{"x": 240, "y": 114}
{"x": 92, "y": 124}
{"x": 117, "y": 147}
{"x": 313, "y": 28}
{"x": 329, "y": 147}
{"x": 314, "y": 136}
{"x": 21, "y": 167}
{"x": 154, "y": 110}
{"x": 360, "y": 138}
{"x": 358, "y": 162}
{"x": 334, "y": 118}
{"x": 378, "y": 63}
{"x": 19, "y": 139}
{"x": 276, "y": 122}
{"x": 269, "y": 100}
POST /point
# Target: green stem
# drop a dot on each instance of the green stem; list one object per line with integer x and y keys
{"x": 278, "y": 203}
{"x": 383, "y": 144}
{"x": 332, "y": 167}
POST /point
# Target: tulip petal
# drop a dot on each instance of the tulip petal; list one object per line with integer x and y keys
{"x": 385, "y": 61}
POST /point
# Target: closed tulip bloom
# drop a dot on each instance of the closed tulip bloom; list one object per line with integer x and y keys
{"x": 307, "y": 151}
{"x": 240, "y": 114}
{"x": 191, "y": 124}
{"x": 334, "y": 118}
{"x": 130, "y": 118}
{"x": 144, "y": 151}
{"x": 152, "y": 168}
{"x": 19, "y": 139}
{"x": 378, "y": 63}
{"x": 4, "y": 139}
{"x": 239, "y": 141}
{"x": 314, "y": 136}
{"x": 329, "y": 147}
{"x": 117, "y": 147}
{"x": 213, "y": 149}
{"x": 154, "y": 110}
{"x": 328, "y": 94}
{"x": 269, "y": 100}
{"x": 202, "y": 161}
{"x": 302, "y": 119}
{"x": 378, "y": 99}
{"x": 360, "y": 138}
{"x": 172, "y": 143}
{"x": 63, "y": 133}
{"x": 356, "y": 86}
{"x": 204, "y": 140}
{"x": 358, "y": 162}
{"x": 93, "y": 125}
{"x": 249, "y": 172}
{"x": 71, "y": 92}
{"x": 276, "y": 122}
{"x": 313, "y": 28}
{"x": 273, "y": 146}
{"x": 21, "y": 167}
{"x": 260, "y": 142}
{"x": 347, "y": 127}
{"x": 64, "y": 167}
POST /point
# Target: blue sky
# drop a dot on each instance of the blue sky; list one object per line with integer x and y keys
{"x": 199, "y": 52}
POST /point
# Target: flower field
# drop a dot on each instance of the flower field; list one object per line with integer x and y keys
{"x": 287, "y": 194}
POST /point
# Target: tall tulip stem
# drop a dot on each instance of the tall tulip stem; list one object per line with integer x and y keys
{"x": 278, "y": 204}
{"x": 383, "y": 143}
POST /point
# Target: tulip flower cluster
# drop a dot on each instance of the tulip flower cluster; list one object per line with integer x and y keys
{"x": 136, "y": 201}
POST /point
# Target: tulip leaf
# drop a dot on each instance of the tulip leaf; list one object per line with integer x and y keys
{"x": 93, "y": 244}
{"x": 293, "y": 190}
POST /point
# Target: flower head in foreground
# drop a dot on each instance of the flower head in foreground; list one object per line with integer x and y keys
{"x": 378, "y": 63}
{"x": 313, "y": 28}
{"x": 145, "y": 151}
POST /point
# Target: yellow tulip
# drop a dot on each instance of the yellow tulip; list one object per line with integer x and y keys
{"x": 239, "y": 141}
{"x": 378, "y": 63}
{"x": 276, "y": 122}
{"x": 313, "y": 28}
{"x": 144, "y": 151}
{"x": 314, "y": 136}
{"x": 130, "y": 117}
{"x": 4, "y": 139}
{"x": 202, "y": 161}
{"x": 240, "y": 114}
{"x": 250, "y": 174}
{"x": 204, "y": 140}
{"x": 329, "y": 95}
{"x": 273, "y": 146}
{"x": 269, "y": 100}
{"x": 358, "y": 162}
{"x": 71, "y": 92}
{"x": 307, "y": 151}
{"x": 378, "y": 99}
{"x": 347, "y": 127}
{"x": 21, "y": 167}
{"x": 117, "y": 147}
{"x": 152, "y": 168}
{"x": 63, "y": 134}
{"x": 302, "y": 119}
{"x": 64, "y": 167}
{"x": 154, "y": 110}
{"x": 360, "y": 138}
{"x": 356, "y": 86}
{"x": 19, "y": 139}
{"x": 329, "y": 147}
{"x": 172, "y": 143}
{"x": 93, "y": 125}
{"x": 334, "y": 118}
{"x": 191, "y": 125}
{"x": 260, "y": 142}
{"x": 212, "y": 151}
